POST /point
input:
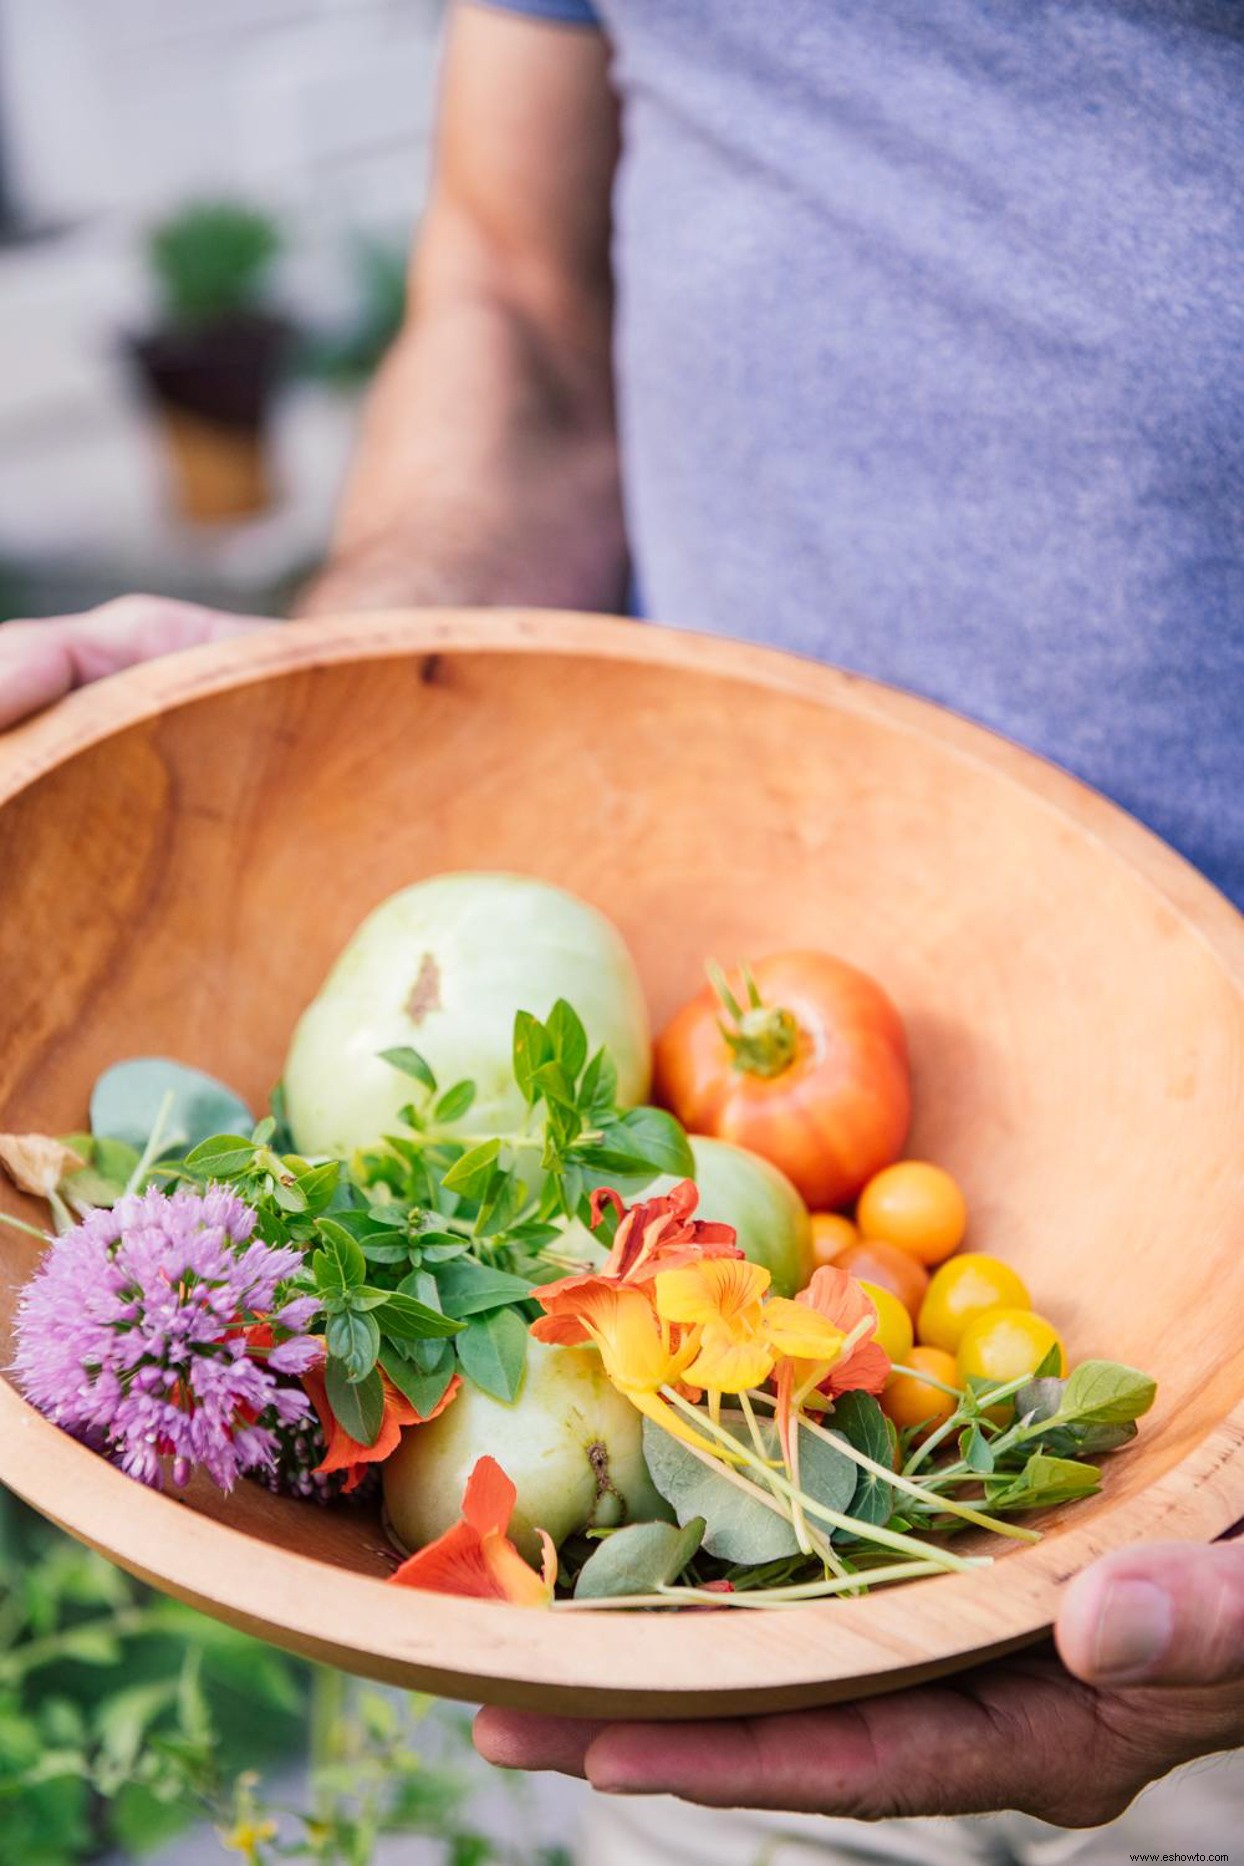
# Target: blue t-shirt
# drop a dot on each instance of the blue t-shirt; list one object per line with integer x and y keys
{"x": 930, "y": 360}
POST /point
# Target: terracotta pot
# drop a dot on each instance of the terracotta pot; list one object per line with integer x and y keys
{"x": 185, "y": 847}
{"x": 212, "y": 389}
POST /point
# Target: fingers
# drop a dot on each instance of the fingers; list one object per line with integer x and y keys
{"x": 524, "y": 1740}
{"x": 1167, "y": 1614}
{"x": 1021, "y": 1735}
{"x": 40, "y": 661}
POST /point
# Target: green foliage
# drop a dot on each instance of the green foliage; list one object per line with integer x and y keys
{"x": 859, "y": 1419}
{"x": 638, "y": 1559}
{"x": 121, "y": 1715}
{"x": 212, "y": 260}
{"x": 124, "y": 1717}
{"x": 1105, "y": 1393}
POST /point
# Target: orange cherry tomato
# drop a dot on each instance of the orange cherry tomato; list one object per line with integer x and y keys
{"x": 963, "y": 1288}
{"x": 917, "y": 1206}
{"x": 1002, "y": 1344}
{"x": 875, "y": 1261}
{"x": 909, "y": 1401}
{"x": 893, "y": 1332}
{"x": 801, "y": 1058}
{"x": 831, "y": 1235}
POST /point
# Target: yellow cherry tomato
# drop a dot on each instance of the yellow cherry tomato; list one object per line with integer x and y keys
{"x": 915, "y": 1205}
{"x": 894, "y": 1331}
{"x": 965, "y": 1287}
{"x": 1002, "y": 1344}
{"x": 909, "y": 1401}
{"x": 831, "y": 1233}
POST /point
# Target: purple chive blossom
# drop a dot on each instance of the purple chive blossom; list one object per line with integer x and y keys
{"x": 128, "y": 1336}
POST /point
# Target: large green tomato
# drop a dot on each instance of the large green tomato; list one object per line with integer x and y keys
{"x": 571, "y": 1444}
{"x": 736, "y": 1188}
{"x": 444, "y": 966}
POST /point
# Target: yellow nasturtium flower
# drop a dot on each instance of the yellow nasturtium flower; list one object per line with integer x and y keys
{"x": 742, "y": 1336}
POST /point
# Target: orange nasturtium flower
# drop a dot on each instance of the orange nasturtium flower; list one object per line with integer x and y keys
{"x": 653, "y": 1235}
{"x": 476, "y": 1557}
{"x": 347, "y": 1454}
{"x": 837, "y": 1300}
{"x": 641, "y": 1353}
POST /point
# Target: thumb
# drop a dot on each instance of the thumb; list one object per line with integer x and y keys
{"x": 1170, "y": 1613}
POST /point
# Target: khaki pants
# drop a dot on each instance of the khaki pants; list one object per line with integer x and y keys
{"x": 1197, "y": 1810}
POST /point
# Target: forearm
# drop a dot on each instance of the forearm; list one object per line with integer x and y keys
{"x": 487, "y": 472}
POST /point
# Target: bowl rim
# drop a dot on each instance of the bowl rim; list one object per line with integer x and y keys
{"x": 603, "y": 1663}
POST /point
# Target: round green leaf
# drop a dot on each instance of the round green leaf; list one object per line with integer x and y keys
{"x": 127, "y": 1099}
{"x": 739, "y": 1527}
{"x": 638, "y": 1559}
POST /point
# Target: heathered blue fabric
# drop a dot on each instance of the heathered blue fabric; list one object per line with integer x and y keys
{"x": 930, "y": 356}
{"x": 566, "y": 12}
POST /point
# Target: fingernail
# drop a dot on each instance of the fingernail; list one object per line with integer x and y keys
{"x": 1134, "y": 1629}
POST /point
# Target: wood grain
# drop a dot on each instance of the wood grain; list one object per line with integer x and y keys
{"x": 184, "y": 848}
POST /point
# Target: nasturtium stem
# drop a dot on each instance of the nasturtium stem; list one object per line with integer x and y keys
{"x": 798, "y": 1594}
{"x": 803, "y": 1535}
{"x": 759, "y": 1495}
{"x": 926, "y": 1380}
{"x": 945, "y": 1505}
{"x": 837, "y": 1519}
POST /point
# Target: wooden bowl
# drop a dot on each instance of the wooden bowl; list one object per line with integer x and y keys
{"x": 184, "y": 848}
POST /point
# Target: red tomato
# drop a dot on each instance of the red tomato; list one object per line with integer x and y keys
{"x": 804, "y": 1060}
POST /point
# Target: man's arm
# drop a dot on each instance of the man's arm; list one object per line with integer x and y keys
{"x": 488, "y": 471}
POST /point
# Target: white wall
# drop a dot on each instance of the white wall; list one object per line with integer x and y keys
{"x": 125, "y": 105}
{"x": 115, "y": 111}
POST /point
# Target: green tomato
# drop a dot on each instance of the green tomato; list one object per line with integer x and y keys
{"x": 444, "y": 966}
{"x": 571, "y": 1444}
{"x": 736, "y": 1188}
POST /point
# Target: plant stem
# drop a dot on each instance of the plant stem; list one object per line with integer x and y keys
{"x": 809, "y": 1542}
{"x": 926, "y": 1380}
{"x": 31, "y": 1231}
{"x": 795, "y": 1595}
{"x": 126, "y": 1623}
{"x": 944, "y": 1505}
{"x": 155, "y": 1140}
{"x": 957, "y": 1419}
{"x": 328, "y": 1703}
{"x": 836, "y": 1519}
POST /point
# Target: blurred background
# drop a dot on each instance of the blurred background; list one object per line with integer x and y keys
{"x": 205, "y": 212}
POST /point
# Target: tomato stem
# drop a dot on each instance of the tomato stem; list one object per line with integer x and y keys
{"x": 763, "y": 1038}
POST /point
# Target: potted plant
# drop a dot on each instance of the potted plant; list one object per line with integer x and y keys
{"x": 215, "y": 356}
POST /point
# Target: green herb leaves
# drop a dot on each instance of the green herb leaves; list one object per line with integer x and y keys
{"x": 359, "y": 1317}
{"x": 1105, "y": 1393}
{"x": 471, "y": 1217}
{"x": 585, "y": 1134}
